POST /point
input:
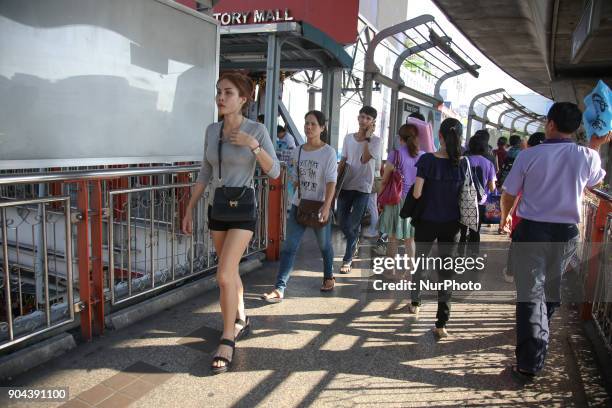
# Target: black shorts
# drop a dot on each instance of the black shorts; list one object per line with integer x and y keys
{"x": 216, "y": 225}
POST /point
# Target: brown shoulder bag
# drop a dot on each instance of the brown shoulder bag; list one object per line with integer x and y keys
{"x": 308, "y": 212}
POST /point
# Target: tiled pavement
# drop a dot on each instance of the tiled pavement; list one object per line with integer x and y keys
{"x": 352, "y": 347}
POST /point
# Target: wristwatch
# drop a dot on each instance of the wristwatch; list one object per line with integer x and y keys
{"x": 257, "y": 150}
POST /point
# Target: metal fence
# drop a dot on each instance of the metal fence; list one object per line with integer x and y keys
{"x": 36, "y": 268}
{"x": 149, "y": 251}
{"x": 602, "y": 300}
{"x": 87, "y": 220}
{"x": 586, "y": 228}
{"x": 596, "y": 262}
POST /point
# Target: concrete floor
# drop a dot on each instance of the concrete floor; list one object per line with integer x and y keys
{"x": 352, "y": 347}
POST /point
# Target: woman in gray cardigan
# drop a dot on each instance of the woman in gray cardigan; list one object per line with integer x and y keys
{"x": 245, "y": 143}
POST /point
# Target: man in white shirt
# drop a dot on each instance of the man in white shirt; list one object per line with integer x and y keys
{"x": 360, "y": 152}
{"x": 551, "y": 178}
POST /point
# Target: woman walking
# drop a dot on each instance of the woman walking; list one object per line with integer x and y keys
{"x": 438, "y": 183}
{"x": 315, "y": 180}
{"x": 402, "y": 160}
{"x": 483, "y": 172}
{"x": 232, "y": 148}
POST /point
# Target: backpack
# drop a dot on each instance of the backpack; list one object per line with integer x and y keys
{"x": 504, "y": 170}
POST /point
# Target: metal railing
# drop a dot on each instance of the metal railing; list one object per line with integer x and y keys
{"x": 602, "y": 294}
{"x": 586, "y": 228}
{"x": 149, "y": 251}
{"x": 285, "y": 199}
{"x": 87, "y": 220}
{"x": 596, "y": 265}
{"x": 36, "y": 274}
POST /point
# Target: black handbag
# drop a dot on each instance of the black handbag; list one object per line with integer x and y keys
{"x": 232, "y": 204}
{"x": 308, "y": 211}
{"x": 413, "y": 207}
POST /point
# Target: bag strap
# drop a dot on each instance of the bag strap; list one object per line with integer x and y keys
{"x": 397, "y": 162}
{"x": 297, "y": 168}
{"x": 469, "y": 171}
{"x": 219, "y": 145}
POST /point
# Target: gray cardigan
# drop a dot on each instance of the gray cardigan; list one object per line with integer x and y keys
{"x": 238, "y": 164}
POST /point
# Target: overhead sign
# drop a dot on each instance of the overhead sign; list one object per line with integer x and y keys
{"x": 584, "y": 32}
{"x": 337, "y": 19}
{"x": 253, "y": 17}
{"x": 408, "y": 107}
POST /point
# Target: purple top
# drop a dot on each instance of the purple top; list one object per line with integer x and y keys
{"x": 406, "y": 166}
{"x": 443, "y": 182}
{"x": 552, "y": 177}
{"x": 482, "y": 167}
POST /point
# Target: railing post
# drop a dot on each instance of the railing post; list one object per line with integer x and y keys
{"x": 274, "y": 218}
{"x": 56, "y": 189}
{"x": 96, "y": 253}
{"x": 597, "y": 239}
{"x": 182, "y": 195}
{"x": 118, "y": 183}
{"x": 83, "y": 255}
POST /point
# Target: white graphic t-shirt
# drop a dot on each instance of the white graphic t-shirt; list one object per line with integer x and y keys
{"x": 317, "y": 168}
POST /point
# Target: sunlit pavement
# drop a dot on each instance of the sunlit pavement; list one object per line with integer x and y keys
{"x": 352, "y": 347}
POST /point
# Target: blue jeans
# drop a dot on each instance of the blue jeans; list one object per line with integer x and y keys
{"x": 545, "y": 250}
{"x": 293, "y": 237}
{"x": 351, "y": 207}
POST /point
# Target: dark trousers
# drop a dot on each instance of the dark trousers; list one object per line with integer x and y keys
{"x": 447, "y": 235}
{"x": 470, "y": 240}
{"x": 545, "y": 250}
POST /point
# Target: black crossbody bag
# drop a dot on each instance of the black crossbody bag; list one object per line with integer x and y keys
{"x": 232, "y": 204}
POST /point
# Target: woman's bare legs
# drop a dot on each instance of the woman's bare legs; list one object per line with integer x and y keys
{"x": 230, "y": 246}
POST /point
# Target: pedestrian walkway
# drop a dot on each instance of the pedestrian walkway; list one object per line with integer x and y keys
{"x": 346, "y": 348}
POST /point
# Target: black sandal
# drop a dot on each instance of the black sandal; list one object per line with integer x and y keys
{"x": 228, "y": 363}
{"x": 246, "y": 328}
{"x": 521, "y": 376}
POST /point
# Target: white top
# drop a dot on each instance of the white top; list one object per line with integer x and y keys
{"x": 361, "y": 175}
{"x": 317, "y": 168}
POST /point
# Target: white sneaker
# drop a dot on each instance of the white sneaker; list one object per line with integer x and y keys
{"x": 440, "y": 332}
{"x": 507, "y": 278}
{"x": 414, "y": 309}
